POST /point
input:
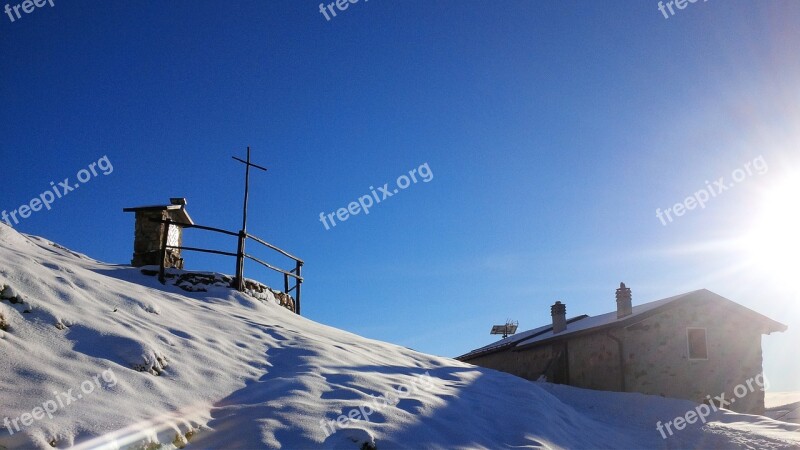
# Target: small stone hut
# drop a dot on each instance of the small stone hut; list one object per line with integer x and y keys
{"x": 148, "y": 235}
{"x": 693, "y": 346}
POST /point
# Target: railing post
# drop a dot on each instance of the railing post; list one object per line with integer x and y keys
{"x": 240, "y": 262}
{"x": 299, "y": 283}
{"x": 163, "y": 251}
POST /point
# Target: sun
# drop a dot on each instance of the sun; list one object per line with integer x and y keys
{"x": 774, "y": 242}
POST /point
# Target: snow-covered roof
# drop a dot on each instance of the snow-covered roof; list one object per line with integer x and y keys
{"x": 608, "y": 319}
{"x": 512, "y": 340}
{"x": 585, "y": 323}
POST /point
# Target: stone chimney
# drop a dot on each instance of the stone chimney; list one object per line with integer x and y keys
{"x": 624, "y": 302}
{"x": 559, "y": 313}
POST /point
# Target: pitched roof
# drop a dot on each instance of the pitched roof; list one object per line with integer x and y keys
{"x": 183, "y": 215}
{"x": 586, "y": 324}
{"x": 512, "y": 340}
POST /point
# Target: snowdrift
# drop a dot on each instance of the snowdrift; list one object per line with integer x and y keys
{"x": 94, "y": 355}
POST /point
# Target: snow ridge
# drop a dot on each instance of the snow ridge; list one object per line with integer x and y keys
{"x": 220, "y": 369}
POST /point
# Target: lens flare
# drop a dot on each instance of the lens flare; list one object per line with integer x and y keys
{"x": 774, "y": 242}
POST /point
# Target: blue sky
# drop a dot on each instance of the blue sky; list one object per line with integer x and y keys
{"x": 553, "y": 130}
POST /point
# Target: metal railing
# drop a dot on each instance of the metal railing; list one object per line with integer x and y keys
{"x": 240, "y": 256}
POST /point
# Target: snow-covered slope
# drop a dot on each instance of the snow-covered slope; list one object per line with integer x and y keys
{"x": 97, "y": 355}
{"x": 783, "y": 406}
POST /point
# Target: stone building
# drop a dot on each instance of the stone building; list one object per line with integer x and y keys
{"x": 148, "y": 235}
{"x": 693, "y": 346}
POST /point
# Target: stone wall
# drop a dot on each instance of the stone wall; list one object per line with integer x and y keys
{"x": 202, "y": 281}
{"x": 528, "y": 364}
{"x": 594, "y": 362}
{"x": 657, "y": 355}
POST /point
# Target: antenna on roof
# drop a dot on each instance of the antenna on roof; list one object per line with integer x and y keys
{"x": 509, "y": 328}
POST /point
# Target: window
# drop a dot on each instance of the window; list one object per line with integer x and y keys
{"x": 698, "y": 348}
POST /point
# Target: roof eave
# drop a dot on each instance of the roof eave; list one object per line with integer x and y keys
{"x": 770, "y": 326}
{"x": 152, "y": 208}
{"x": 183, "y": 215}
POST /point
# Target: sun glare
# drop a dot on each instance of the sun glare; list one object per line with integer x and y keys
{"x": 774, "y": 242}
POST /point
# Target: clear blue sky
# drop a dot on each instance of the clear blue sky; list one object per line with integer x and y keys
{"x": 553, "y": 129}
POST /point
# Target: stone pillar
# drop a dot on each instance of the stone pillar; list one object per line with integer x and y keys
{"x": 148, "y": 237}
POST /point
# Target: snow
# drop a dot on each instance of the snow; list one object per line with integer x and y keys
{"x": 579, "y": 323}
{"x": 584, "y": 322}
{"x": 777, "y": 399}
{"x": 120, "y": 361}
{"x": 784, "y": 406}
{"x": 610, "y": 318}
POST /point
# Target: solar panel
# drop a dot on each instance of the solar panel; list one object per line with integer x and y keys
{"x": 508, "y": 329}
